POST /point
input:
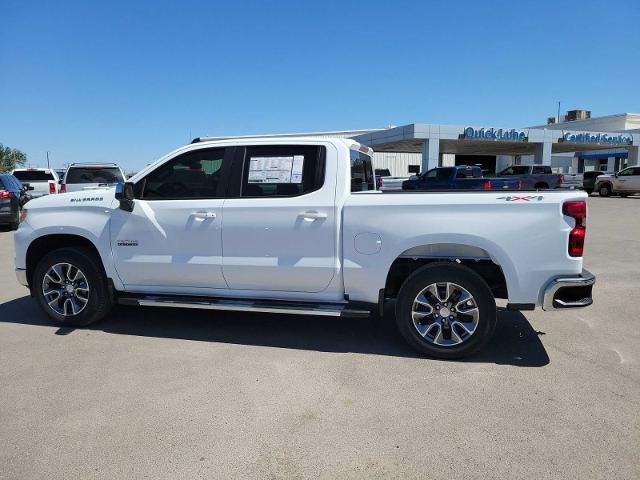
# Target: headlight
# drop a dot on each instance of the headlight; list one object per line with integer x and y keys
{"x": 23, "y": 215}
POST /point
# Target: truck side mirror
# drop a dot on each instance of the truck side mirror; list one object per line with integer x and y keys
{"x": 124, "y": 193}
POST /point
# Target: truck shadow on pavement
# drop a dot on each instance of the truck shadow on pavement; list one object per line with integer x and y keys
{"x": 515, "y": 341}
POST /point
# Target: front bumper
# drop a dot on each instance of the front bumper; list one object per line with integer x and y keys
{"x": 21, "y": 275}
{"x": 569, "y": 292}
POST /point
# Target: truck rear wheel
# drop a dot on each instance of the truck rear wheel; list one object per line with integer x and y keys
{"x": 446, "y": 311}
{"x": 71, "y": 287}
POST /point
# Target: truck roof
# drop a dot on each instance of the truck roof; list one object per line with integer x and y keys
{"x": 351, "y": 144}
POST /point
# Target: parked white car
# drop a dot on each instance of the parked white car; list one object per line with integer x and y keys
{"x": 392, "y": 184}
{"x": 91, "y": 176}
{"x": 295, "y": 226}
{"x": 625, "y": 182}
{"x": 43, "y": 180}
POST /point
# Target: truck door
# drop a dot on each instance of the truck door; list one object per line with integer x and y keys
{"x": 628, "y": 180}
{"x": 172, "y": 239}
{"x": 279, "y": 233}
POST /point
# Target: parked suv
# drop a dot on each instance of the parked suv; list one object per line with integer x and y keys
{"x": 625, "y": 182}
{"x": 13, "y": 195}
{"x": 43, "y": 180}
{"x": 91, "y": 176}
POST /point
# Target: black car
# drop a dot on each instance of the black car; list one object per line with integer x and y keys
{"x": 13, "y": 195}
{"x": 589, "y": 180}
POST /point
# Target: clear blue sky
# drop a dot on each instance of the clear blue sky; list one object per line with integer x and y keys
{"x": 128, "y": 81}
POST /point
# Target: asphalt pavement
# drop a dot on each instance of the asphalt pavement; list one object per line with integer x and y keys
{"x": 160, "y": 393}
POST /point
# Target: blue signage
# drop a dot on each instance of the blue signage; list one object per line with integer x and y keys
{"x": 597, "y": 138}
{"x": 495, "y": 135}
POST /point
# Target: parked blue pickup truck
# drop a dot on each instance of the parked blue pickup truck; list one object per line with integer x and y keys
{"x": 462, "y": 177}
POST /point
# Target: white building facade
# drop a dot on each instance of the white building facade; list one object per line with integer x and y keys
{"x": 607, "y": 143}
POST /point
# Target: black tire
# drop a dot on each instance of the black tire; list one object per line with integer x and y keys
{"x": 541, "y": 186}
{"x": 465, "y": 278}
{"x": 605, "y": 190}
{"x": 589, "y": 191}
{"x": 624, "y": 195}
{"x": 99, "y": 301}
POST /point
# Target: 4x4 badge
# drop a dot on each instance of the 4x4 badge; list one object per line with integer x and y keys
{"x": 513, "y": 198}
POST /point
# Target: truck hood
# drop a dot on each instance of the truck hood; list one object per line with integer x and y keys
{"x": 93, "y": 198}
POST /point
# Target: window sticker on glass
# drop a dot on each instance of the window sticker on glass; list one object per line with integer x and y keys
{"x": 276, "y": 169}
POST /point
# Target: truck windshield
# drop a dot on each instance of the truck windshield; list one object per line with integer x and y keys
{"x": 94, "y": 175}
{"x": 361, "y": 172}
{"x": 33, "y": 176}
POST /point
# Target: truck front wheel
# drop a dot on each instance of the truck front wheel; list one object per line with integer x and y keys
{"x": 605, "y": 190}
{"x": 71, "y": 287}
{"x": 446, "y": 311}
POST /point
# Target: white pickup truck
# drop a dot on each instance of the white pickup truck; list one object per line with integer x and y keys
{"x": 295, "y": 226}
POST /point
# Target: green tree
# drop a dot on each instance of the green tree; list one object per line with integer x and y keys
{"x": 11, "y": 158}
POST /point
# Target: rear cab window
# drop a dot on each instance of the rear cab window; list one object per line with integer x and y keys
{"x": 515, "y": 170}
{"x": 362, "y": 178}
{"x": 33, "y": 175}
{"x": 94, "y": 175}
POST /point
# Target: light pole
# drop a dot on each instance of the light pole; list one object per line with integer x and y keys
{"x": 48, "y": 160}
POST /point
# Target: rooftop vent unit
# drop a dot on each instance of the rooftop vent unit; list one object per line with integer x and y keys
{"x": 577, "y": 115}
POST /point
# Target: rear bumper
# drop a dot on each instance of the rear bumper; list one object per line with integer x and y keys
{"x": 21, "y": 275}
{"x": 569, "y": 292}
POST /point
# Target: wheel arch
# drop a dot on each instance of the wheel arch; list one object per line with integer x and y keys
{"x": 494, "y": 268}
{"x": 44, "y": 244}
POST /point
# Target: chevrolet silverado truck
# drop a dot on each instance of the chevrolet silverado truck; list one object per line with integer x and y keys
{"x": 461, "y": 177}
{"x": 296, "y": 226}
{"x": 624, "y": 183}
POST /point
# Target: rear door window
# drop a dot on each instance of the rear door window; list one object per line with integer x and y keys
{"x": 94, "y": 175}
{"x": 33, "y": 176}
{"x": 282, "y": 170}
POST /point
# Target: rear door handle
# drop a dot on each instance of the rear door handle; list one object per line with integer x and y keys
{"x": 311, "y": 216}
{"x": 204, "y": 214}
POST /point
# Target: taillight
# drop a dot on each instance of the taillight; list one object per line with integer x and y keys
{"x": 5, "y": 194}
{"x": 52, "y": 187}
{"x": 577, "y": 211}
{"x": 561, "y": 178}
{"x": 519, "y": 184}
{"x": 63, "y": 188}
{"x": 487, "y": 185}
{"x": 379, "y": 183}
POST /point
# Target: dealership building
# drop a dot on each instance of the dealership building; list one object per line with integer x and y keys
{"x": 579, "y": 144}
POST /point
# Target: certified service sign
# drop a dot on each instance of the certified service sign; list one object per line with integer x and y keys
{"x": 597, "y": 138}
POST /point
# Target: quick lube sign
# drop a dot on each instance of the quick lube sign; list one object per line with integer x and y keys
{"x": 493, "y": 134}
{"x": 597, "y": 138}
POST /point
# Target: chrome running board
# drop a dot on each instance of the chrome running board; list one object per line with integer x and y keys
{"x": 263, "y": 306}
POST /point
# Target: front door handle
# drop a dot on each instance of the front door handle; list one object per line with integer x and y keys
{"x": 311, "y": 216}
{"x": 204, "y": 214}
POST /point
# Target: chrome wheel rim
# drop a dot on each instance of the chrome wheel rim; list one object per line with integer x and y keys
{"x": 65, "y": 289}
{"x": 445, "y": 314}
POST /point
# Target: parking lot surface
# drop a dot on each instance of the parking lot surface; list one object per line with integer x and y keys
{"x": 159, "y": 393}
